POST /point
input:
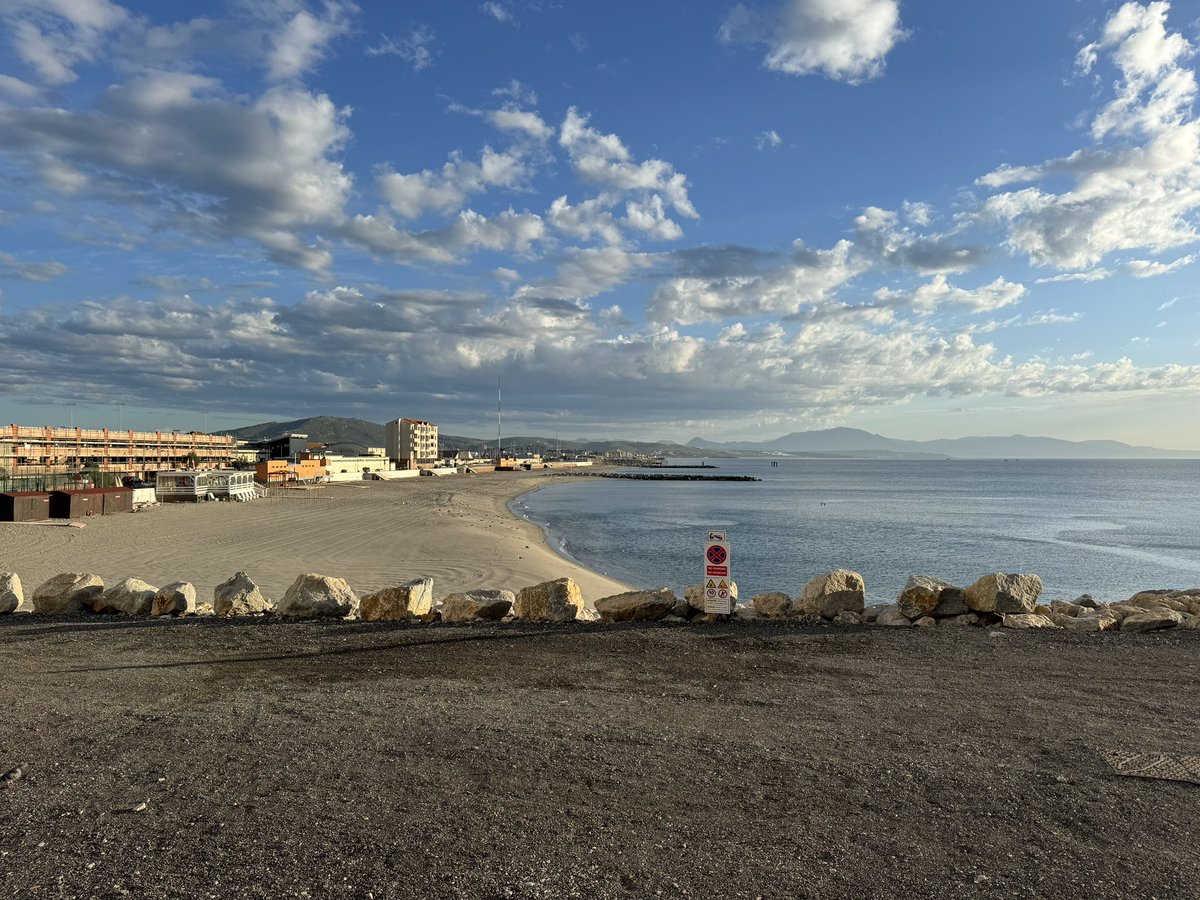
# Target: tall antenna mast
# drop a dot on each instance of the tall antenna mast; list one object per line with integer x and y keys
{"x": 499, "y": 455}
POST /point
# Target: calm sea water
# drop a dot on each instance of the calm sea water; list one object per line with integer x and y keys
{"x": 1108, "y": 528}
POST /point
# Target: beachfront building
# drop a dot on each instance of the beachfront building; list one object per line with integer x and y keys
{"x": 412, "y": 443}
{"x": 354, "y": 468}
{"x": 282, "y": 471}
{"x": 46, "y": 453}
{"x": 190, "y": 485}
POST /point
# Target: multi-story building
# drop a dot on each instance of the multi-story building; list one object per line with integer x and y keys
{"x": 412, "y": 443}
{"x": 44, "y": 451}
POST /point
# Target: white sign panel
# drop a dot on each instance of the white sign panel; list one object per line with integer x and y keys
{"x": 718, "y": 595}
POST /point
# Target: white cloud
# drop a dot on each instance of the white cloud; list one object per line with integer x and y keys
{"x": 53, "y": 36}
{"x": 808, "y": 279}
{"x": 880, "y": 237}
{"x": 415, "y": 48}
{"x": 768, "y": 138}
{"x": 1138, "y": 188}
{"x": 1151, "y": 268}
{"x": 498, "y": 11}
{"x": 14, "y": 267}
{"x": 586, "y": 221}
{"x": 18, "y": 89}
{"x": 301, "y": 42}
{"x": 847, "y": 40}
{"x": 1165, "y": 306}
{"x": 1089, "y": 276}
{"x": 171, "y": 145}
{"x": 939, "y": 293}
{"x": 603, "y": 160}
{"x": 447, "y": 190}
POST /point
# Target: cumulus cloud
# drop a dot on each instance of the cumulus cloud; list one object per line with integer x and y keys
{"x": 604, "y": 160}
{"x": 846, "y": 40}
{"x": 880, "y": 237}
{"x": 1091, "y": 275}
{"x": 229, "y": 168}
{"x": 448, "y": 189}
{"x": 939, "y": 293}
{"x": 1138, "y": 186}
{"x": 53, "y": 36}
{"x": 301, "y": 41}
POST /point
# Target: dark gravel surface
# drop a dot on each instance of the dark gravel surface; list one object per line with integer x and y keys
{"x": 346, "y": 760}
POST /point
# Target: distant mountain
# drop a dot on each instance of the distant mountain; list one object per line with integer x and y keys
{"x": 339, "y": 433}
{"x": 350, "y": 435}
{"x": 853, "y": 441}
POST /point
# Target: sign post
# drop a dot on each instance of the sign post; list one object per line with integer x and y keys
{"x": 718, "y": 590}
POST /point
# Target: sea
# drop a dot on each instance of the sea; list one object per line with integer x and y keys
{"x": 1100, "y": 527}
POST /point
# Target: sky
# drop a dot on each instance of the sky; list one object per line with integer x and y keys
{"x": 644, "y": 220}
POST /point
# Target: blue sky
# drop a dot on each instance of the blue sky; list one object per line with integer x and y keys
{"x": 652, "y": 220}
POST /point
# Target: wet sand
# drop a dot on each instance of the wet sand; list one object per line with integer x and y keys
{"x": 456, "y": 530}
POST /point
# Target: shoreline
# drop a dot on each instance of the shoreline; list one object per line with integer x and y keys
{"x": 458, "y": 530}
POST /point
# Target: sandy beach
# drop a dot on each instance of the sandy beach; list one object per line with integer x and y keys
{"x": 456, "y": 530}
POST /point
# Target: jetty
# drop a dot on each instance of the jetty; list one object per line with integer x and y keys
{"x": 655, "y": 476}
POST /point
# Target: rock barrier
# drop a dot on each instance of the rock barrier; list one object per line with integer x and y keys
{"x": 836, "y": 597}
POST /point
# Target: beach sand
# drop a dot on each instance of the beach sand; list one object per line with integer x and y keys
{"x": 456, "y": 530}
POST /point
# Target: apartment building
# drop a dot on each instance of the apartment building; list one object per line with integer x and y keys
{"x": 412, "y": 443}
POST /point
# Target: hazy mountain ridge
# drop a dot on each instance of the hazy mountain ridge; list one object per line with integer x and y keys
{"x": 348, "y": 434}
{"x": 1016, "y": 446}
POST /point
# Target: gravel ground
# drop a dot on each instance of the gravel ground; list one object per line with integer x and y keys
{"x": 227, "y": 759}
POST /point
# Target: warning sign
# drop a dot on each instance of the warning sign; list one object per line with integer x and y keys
{"x": 717, "y": 589}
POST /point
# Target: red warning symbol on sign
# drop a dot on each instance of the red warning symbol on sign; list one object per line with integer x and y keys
{"x": 716, "y": 554}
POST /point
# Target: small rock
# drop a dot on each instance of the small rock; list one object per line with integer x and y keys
{"x": 772, "y": 605}
{"x": 925, "y": 622}
{"x": 1151, "y": 620}
{"x": 1028, "y": 620}
{"x": 890, "y": 615}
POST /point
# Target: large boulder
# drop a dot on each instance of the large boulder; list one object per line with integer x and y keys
{"x": 1004, "y": 593}
{"x": 772, "y": 605}
{"x": 924, "y": 595}
{"x": 129, "y": 596}
{"x": 551, "y": 601}
{"x": 1089, "y": 623}
{"x": 314, "y": 596}
{"x": 411, "y": 600}
{"x": 1151, "y": 620}
{"x": 832, "y": 592}
{"x": 890, "y": 615}
{"x": 1062, "y": 607}
{"x": 11, "y": 594}
{"x": 693, "y": 595}
{"x": 637, "y": 606}
{"x": 175, "y": 599}
{"x": 472, "y": 606}
{"x": 240, "y": 596}
{"x": 67, "y": 594}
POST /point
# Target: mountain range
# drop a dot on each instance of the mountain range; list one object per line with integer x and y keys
{"x": 348, "y": 435}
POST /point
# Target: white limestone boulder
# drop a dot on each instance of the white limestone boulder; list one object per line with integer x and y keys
{"x": 129, "y": 596}
{"x": 11, "y": 595}
{"x": 67, "y": 594}
{"x": 924, "y": 595}
{"x": 314, "y": 596}
{"x": 832, "y": 592}
{"x": 1004, "y": 593}
{"x": 772, "y": 605}
{"x": 175, "y": 599}
{"x": 411, "y": 600}
{"x": 475, "y": 606}
{"x": 1027, "y": 620}
{"x": 637, "y": 606}
{"x": 551, "y": 601}
{"x": 240, "y": 596}
{"x": 1151, "y": 620}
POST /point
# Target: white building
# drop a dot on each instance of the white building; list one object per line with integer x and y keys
{"x": 412, "y": 443}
